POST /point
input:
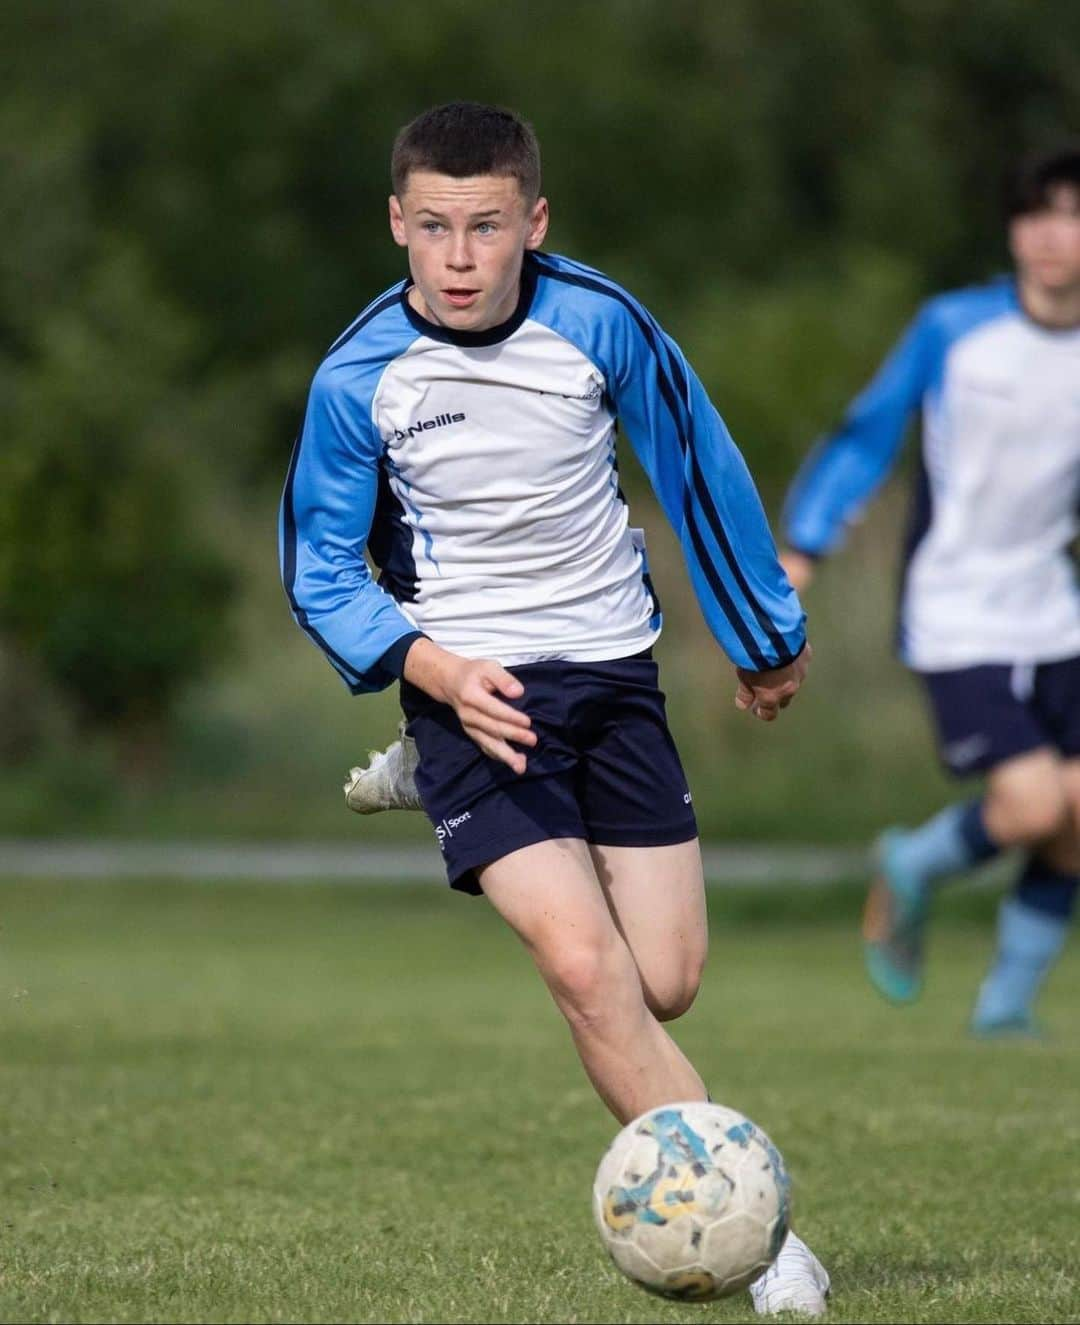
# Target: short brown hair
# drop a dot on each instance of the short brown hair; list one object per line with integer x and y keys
{"x": 466, "y": 138}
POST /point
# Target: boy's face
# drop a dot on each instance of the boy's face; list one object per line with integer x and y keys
{"x": 1046, "y": 244}
{"x": 466, "y": 240}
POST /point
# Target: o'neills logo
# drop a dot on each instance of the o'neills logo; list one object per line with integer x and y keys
{"x": 423, "y": 425}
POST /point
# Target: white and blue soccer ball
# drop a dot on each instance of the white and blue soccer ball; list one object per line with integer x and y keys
{"x": 692, "y": 1201}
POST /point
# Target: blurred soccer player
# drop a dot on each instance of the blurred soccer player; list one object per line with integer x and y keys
{"x": 462, "y": 430}
{"x": 989, "y": 609}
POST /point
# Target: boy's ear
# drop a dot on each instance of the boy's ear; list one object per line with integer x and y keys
{"x": 538, "y": 224}
{"x": 397, "y": 221}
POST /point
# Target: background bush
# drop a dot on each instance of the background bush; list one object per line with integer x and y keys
{"x": 194, "y": 205}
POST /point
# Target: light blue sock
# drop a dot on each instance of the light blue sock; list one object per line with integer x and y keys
{"x": 1028, "y": 945}
{"x": 1032, "y": 925}
{"x": 952, "y": 841}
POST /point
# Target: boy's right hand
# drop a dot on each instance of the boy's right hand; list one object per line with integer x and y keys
{"x": 471, "y": 686}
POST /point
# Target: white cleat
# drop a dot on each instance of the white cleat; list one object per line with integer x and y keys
{"x": 795, "y": 1281}
{"x": 388, "y": 782}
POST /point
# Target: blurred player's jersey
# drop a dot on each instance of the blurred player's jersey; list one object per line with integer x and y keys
{"x": 478, "y": 472}
{"x": 989, "y": 575}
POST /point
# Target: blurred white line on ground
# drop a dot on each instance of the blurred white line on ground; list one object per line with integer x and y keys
{"x": 290, "y": 862}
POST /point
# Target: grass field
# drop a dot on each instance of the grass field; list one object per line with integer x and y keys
{"x": 305, "y": 1103}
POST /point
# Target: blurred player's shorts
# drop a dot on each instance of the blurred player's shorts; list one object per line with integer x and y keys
{"x": 985, "y": 715}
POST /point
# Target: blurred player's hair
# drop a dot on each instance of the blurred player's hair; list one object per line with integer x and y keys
{"x": 464, "y": 138}
{"x": 1033, "y": 180}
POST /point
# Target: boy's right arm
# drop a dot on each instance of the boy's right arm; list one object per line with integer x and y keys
{"x": 471, "y": 686}
{"x": 326, "y": 514}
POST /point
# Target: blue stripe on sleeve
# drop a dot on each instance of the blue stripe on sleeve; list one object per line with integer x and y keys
{"x": 696, "y": 470}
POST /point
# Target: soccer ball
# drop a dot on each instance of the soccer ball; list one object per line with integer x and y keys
{"x": 692, "y": 1201}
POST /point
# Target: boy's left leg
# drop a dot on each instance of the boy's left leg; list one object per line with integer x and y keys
{"x": 669, "y": 943}
{"x": 550, "y": 896}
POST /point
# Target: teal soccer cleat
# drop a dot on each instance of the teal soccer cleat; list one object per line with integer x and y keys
{"x": 894, "y": 920}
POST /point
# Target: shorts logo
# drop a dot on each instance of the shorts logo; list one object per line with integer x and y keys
{"x": 962, "y": 754}
{"x": 446, "y": 828}
{"x": 687, "y": 798}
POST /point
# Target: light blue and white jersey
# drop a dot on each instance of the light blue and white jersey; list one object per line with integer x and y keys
{"x": 989, "y": 575}
{"x": 477, "y": 469}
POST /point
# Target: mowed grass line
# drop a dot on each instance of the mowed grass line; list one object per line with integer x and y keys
{"x": 240, "y": 1103}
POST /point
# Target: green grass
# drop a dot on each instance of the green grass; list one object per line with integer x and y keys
{"x": 289, "y": 1103}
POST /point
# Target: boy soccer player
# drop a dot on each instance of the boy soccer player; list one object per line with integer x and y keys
{"x": 990, "y": 609}
{"x": 462, "y": 431}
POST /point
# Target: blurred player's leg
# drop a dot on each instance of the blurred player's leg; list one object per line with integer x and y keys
{"x": 907, "y": 866}
{"x": 1033, "y": 924}
{"x": 551, "y": 897}
{"x": 657, "y": 897}
{"x": 1024, "y": 805}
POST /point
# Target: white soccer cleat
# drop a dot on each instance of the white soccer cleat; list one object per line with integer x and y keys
{"x": 795, "y": 1281}
{"x": 388, "y": 782}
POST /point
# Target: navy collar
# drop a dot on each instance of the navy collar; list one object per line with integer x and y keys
{"x": 490, "y": 335}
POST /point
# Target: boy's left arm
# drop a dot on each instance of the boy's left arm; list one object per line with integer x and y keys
{"x": 706, "y": 491}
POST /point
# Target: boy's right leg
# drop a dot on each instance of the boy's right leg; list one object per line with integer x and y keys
{"x": 550, "y": 895}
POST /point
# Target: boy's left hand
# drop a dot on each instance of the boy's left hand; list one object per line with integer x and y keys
{"x": 764, "y": 694}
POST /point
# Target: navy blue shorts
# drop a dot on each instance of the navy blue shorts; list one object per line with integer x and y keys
{"x": 604, "y": 769}
{"x": 985, "y": 715}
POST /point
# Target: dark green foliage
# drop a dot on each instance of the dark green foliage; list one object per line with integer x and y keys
{"x": 194, "y": 205}
{"x": 105, "y": 578}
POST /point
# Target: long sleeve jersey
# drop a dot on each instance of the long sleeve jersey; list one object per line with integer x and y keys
{"x": 477, "y": 470}
{"x": 989, "y": 576}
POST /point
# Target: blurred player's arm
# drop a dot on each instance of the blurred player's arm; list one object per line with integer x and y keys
{"x": 845, "y": 468}
{"x": 706, "y": 491}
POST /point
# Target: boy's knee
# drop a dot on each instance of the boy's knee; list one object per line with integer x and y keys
{"x": 670, "y": 997}
{"x": 588, "y": 979}
{"x": 1044, "y": 820}
{"x": 1038, "y": 815}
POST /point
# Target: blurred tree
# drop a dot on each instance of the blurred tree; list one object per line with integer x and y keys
{"x": 194, "y": 205}
{"x": 103, "y": 577}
